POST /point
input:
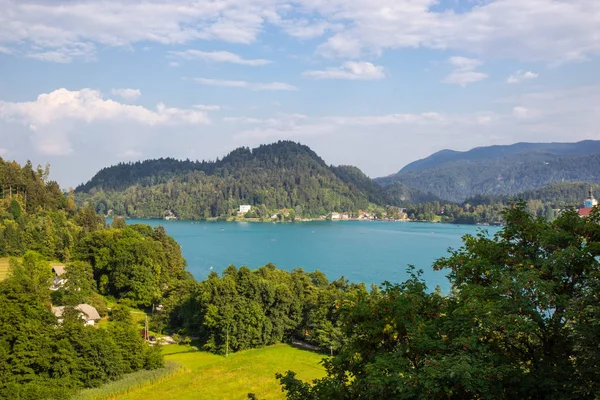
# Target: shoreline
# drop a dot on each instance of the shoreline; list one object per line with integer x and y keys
{"x": 304, "y": 220}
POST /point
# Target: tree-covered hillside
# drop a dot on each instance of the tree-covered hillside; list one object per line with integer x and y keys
{"x": 500, "y": 170}
{"x": 283, "y": 175}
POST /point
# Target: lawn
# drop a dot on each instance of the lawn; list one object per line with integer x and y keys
{"x": 3, "y": 268}
{"x": 208, "y": 376}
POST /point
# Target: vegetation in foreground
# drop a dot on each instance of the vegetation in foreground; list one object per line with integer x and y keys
{"x": 523, "y": 322}
{"x": 208, "y": 376}
{"x": 130, "y": 382}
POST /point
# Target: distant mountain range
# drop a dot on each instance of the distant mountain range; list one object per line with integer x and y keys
{"x": 500, "y": 170}
{"x": 282, "y": 175}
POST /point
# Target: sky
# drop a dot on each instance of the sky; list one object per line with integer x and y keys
{"x": 85, "y": 84}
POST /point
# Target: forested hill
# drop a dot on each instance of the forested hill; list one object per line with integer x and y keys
{"x": 282, "y": 175}
{"x": 500, "y": 170}
{"x": 557, "y": 195}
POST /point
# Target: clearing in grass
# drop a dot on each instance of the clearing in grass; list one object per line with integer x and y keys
{"x": 208, "y": 376}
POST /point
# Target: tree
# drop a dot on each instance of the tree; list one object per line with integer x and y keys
{"x": 521, "y": 322}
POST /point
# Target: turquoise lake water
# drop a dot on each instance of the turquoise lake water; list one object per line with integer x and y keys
{"x": 361, "y": 251}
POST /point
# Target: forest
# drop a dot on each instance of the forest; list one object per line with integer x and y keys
{"x": 521, "y": 320}
{"x": 290, "y": 181}
{"x": 500, "y": 170}
{"x": 275, "y": 178}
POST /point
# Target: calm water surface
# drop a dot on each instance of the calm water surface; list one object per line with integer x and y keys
{"x": 361, "y": 251}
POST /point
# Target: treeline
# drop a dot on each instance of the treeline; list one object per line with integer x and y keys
{"x": 521, "y": 322}
{"x": 42, "y": 358}
{"x": 246, "y": 308}
{"x": 544, "y": 202}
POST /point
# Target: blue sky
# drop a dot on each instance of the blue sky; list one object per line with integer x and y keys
{"x": 373, "y": 83}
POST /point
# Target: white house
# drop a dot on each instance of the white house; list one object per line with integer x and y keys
{"x": 244, "y": 209}
{"x": 88, "y": 313}
{"x": 59, "y": 278}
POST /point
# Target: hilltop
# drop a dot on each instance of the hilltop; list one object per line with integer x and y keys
{"x": 500, "y": 170}
{"x": 279, "y": 176}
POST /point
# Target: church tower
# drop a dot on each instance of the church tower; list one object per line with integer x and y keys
{"x": 590, "y": 201}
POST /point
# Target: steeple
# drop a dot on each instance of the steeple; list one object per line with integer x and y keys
{"x": 590, "y": 201}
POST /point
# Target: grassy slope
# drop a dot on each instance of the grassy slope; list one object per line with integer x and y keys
{"x": 209, "y": 376}
{"x": 3, "y": 268}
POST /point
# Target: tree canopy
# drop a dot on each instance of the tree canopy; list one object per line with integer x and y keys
{"x": 522, "y": 322}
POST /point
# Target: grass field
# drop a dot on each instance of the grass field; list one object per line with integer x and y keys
{"x": 208, "y": 376}
{"x": 3, "y": 268}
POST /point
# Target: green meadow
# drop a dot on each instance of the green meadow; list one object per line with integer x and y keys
{"x": 208, "y": 376}
{"x": 3, "y": 268}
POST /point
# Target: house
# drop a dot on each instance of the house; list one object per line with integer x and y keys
{"x": 335, "y": 215}
{"x": 170, "y": 216}
{"x": 244, "y": 209}
{"x": 588, "y": 204}
{"x": 59, "y": 277}
{"x": 88, "y": 313}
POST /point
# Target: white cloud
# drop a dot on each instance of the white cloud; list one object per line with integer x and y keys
{"x": 3, "y": 152}
{"x": 127, "y": 94}
{"x": 244, "y": 84}
{"x": 130, "y": 154}
{"x": 464, "y": 71}
{"x": 173, "y": 64}
{"x": 51, "y": 116}
{"x": 203, "y": 107}
{"x": 553, "y": 31}
{"x": 306, "y": 29}
{"x": 349, "y": 70}
{"x": 520, "y": 76}
{"x": 218, "y": 56}
{"x": 533, "y": 30}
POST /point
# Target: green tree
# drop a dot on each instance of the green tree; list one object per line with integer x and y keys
{"x": 522, "y": 322}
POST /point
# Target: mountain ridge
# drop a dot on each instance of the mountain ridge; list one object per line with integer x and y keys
{"x": 281, "y": 175}
{"x": 500, "y": 170}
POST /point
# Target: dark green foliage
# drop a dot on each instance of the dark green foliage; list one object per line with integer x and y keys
{"x": 246, "y": 309}
{"x": 43, "y": 359}
{"x": 136, "y": 263}
{"x": 283, "y": 175}
{"x": 500, "y": 170}
{"x": 522, "y": 322}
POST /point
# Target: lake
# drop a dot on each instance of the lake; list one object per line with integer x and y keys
{"x": 361, "y": 251}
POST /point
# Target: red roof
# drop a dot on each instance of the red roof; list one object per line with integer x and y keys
{"x": 584, "y": 212}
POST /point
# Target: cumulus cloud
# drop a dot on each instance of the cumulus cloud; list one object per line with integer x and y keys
{"x": 524, "y": 30}
{"x": 464, "y": 71}
{"x": 127, "y": 94}
{"x": 350, "y": 70}
{"x": 51, "y": 116}
{"x": 520, "y": 76}
{"x": 63, "y": 30}
{"x": 244, "y": 84}
{"x": 218, "y": 56}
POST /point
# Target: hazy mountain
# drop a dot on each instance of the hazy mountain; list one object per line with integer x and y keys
{"x": 500, "y": 170}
